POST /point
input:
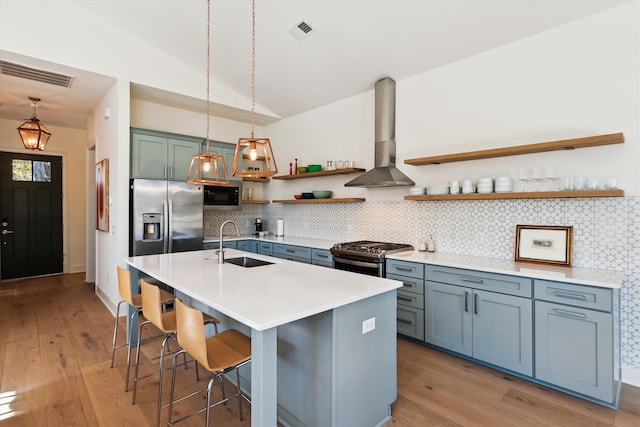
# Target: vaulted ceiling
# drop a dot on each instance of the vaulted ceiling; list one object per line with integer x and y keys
{"x": 352, "y": 43}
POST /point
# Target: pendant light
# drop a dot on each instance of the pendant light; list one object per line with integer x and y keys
{"x": 33, "y": 133}
{"x": 253, "y": 148}
{"x": 207, "y": 168}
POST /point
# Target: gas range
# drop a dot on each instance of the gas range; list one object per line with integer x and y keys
{"x": 367, "y": 250}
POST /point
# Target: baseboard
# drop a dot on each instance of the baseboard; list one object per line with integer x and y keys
{"x": 105, "y": 300}
{"x": 631, "y": 375}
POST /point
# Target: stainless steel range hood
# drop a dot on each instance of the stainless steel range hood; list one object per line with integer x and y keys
{"x": 384, "y": 173}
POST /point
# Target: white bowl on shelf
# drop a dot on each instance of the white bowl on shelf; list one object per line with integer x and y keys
{"x": 416, "y": 191}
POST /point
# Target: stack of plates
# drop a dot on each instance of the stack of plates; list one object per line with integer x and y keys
{"x": 416, "y": 191}
{"x": 485, "y": 185}
{"x": 504, "y": 184}
{"x": 437, "y": 190}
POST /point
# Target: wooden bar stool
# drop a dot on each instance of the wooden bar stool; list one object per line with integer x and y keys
{"x": 220, "y": 354}
{"x": 135, "y": 301}
{"x": 166, "y": 323}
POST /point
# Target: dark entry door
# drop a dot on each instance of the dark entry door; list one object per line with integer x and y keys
{"x": 30, "y": 215}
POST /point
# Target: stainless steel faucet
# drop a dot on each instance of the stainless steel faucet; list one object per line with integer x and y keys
{"x": 221, "y": 251}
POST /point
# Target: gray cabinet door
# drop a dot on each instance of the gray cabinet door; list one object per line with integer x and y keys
{"x": 148, "y": 156}
{"x": 447, "y": 317}
{"x": 248, "y": 245}
{"x": 179, "y": 155}
{"x": 502, "y": 331}
{"x": 574, "y": 349}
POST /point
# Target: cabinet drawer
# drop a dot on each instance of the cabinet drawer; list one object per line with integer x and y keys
{"x": 265, "y": 248}
{"x": 410, "y": 299}
{"x": 292, "y": 252}
{"x": 410, "y": 322}
{"x": 576, "y": 295}
{"x": 405, "y": 268}
{"x": 409, "y": 284}
{"x": 248, "y": 245}
{"x": 511, "y": 285}
{"x": 322, "y": 257}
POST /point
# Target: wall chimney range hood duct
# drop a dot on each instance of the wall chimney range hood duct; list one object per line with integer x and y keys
{"x": 384, "y": 173}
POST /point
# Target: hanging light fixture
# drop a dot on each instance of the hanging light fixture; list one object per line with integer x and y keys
{"x": 207, "y": 168}
{"x": 33, "y": 133}
{"x": 253, "y": 148}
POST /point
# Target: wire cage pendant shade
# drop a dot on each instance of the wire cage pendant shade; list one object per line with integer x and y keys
{"x": 254, "y": 148}
{"x": 207, "y": 168}
{"x": 33, "y": 133}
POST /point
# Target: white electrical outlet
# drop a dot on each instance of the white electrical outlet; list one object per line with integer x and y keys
{"x": 368, "y": 325}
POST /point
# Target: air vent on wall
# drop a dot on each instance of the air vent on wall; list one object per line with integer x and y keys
{"x": 301, "y": 30}
{"x": 44, "y": 76}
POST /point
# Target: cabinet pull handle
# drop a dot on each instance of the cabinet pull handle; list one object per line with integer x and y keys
{"x": 402, "y": 298}
{"x": 570, "y": 313}
{"x": 397, "y": 267}
{"x": 322, "y": 256}
{"x": 409, "y": 285}
{"x": 164, "y": 171}
{"x": 170, "y": 171}
{"x": 471, "y": 280}
{"x": 475, "y": 303}
{"x": 580, "y": 297}
{"x": 408, "y": 322}
{"x": 466, "y": 301}
{"x": 291, "y": 251}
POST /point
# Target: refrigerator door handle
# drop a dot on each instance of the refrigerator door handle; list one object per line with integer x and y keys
{"x": 165, "y": 226}
{"x": 170, "y": 225}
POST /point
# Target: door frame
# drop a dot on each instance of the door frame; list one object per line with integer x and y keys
{"x": 65, "y": 201}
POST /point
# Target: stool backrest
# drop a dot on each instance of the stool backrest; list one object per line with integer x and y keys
{"x": 191, "y": 335}
{"x": 152, "y": 304}
{"x": 124, "y": 284}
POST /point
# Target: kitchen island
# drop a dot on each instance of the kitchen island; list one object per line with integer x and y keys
{"x": 323, "y": 340}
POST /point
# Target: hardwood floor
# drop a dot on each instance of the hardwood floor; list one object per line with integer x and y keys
{"x": 55, "y": 349}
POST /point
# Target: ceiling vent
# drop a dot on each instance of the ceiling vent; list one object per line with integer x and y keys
{"x": 301, "y": 30}
{"x": 43, "y": 76}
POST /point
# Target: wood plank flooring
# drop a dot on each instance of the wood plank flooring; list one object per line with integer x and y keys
{"x": 55, "y": 349}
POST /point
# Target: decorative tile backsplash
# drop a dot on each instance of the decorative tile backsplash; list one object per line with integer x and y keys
{"x": 606, "y": 233}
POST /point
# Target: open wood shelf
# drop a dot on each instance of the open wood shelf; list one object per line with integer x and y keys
{"x": 329, "y": 200}
{"x": 565, "y": 144}
{"x": 320, "y": 173}
{"x": 521, "y": 195}
{"x": 255, "y": 202}
{"x": 245, "y": 179}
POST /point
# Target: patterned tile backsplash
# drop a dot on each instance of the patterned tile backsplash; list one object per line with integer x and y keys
{"x": 606, "y": 233}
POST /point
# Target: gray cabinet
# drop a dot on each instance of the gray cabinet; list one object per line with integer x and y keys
{"x": 410, "y": 298}
{"x": 226, "y": 150}
{"x": 265, "y": 248}
{"x": 492, "y": 327}
{"x": 156, "y": 155}
{"x": 321, "y": 257}
{"x": 292, "y": 253}
{"x": 576, "y": 330}
{"x": 232, "y": 244}
{"x": 248, "y": 246}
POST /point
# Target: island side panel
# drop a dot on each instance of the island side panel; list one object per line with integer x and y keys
{"x": 364, "y": 374}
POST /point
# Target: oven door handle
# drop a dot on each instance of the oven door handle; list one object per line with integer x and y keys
{"x": 354, "y": 262}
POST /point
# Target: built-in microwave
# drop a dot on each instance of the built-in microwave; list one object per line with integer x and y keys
{"x": 223, "y": 197}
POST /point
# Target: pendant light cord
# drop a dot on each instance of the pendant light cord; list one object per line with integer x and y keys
{"x": 208, "y": 68}
{"x": 253, "y": 66}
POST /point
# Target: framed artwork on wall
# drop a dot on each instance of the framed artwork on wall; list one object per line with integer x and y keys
{"x": 102, "y": 195}
{"x": 545, "y": 244}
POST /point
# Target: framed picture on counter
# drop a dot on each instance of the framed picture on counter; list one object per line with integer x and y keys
{"x": 545, "y": 244}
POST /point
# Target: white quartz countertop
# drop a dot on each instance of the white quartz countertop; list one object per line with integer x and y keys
{"x": 261, "y": 297}
{"x": 296, "y": 241}
{"x": 578, "y": 275}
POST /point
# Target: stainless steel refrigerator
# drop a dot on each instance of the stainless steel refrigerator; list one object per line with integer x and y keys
{"x": 165, "y": 216}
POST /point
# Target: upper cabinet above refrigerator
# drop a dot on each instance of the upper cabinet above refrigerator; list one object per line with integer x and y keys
{"x": 159, "y": 155}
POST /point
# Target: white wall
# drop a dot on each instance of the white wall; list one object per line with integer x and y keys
{"x": 69, "y": 144}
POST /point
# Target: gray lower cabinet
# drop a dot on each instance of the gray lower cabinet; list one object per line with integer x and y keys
{"x": 265, "y": 248}
{"x": 216, "y": 245}
{"x": 158, "y": 155}
{"x": 292, "y": 253}
{"x": 248, "y": 246}
{"x": 576, "y": 332}
{"x": 410, "y": 298}
{"x": 322, "y": 257}
{"x": 483, "y": 315}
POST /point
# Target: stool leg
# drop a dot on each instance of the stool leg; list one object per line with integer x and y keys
{"x": 239, "y": 392}
{"x": 208, "y": 412}
{"x": 162, "y": 353}
{"x": 135, "y": 377}
{"x": 174, "y": 369}
{"x": 115, "y": 334}
{"x": 135, "y": 313}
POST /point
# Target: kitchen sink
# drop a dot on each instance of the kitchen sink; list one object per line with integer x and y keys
{"x": 245, "y": 261}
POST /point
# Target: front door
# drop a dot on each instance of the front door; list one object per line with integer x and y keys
{"x": 30, "y": 215}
